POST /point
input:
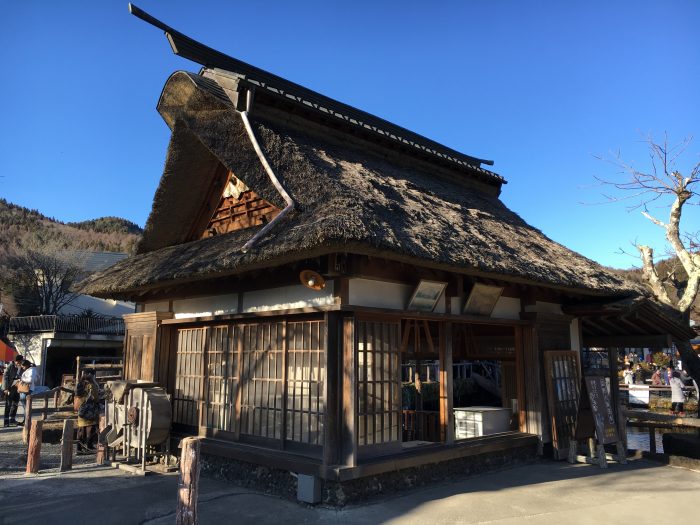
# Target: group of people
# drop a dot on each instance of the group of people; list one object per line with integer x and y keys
{"x": 18, "y": 380}
{"x": 662, "y": 377}
{"x": 632, "y": 375}
{"x": 668, "y": 376}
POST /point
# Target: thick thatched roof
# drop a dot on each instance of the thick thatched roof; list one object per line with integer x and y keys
{"x": 351, "y": 197}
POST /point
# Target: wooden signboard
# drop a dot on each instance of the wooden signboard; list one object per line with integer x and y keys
{"x": 602, "y": 410}
{"x": 596, "y": 419}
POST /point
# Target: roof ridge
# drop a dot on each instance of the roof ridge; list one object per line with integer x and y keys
{"x": 214, "y": 60}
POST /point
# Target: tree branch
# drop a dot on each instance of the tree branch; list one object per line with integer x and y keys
{"x": 651, "y": 276}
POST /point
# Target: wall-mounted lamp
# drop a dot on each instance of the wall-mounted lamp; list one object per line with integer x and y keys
{"x": 312, "y": 280}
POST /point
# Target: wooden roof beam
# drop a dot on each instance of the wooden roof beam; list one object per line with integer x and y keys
{"x": 627, "y": 341}
{"x": 588, "y": 325}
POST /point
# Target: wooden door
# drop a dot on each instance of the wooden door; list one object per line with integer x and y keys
{"x": 221, "y": 380}
{"x": 189, "y": 379}
{"x": 144, "y": 358}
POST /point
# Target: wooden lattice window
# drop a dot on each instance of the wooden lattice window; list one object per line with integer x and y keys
{"x": 262, "y": 365}
{"x": 306, "y": 371}
{"x": 239, "y": 208}
{"x": 188, "y": 380}
{"x": 221, "y": 379}
{"x": 563, "y": 383}
{"x": 378, "y": 382}
{"x": 275, "y": 371}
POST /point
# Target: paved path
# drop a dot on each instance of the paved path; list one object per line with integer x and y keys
{"x": 548, "y": 492}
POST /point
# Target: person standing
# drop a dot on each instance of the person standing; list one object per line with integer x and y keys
{"x": 677, "y": 396}
{"x": 669, "y": 374}
{"x": 28, "y": 377}
{"x": 628, "y": 375}
{"x": 86, "y": 403}
{"x": 638, "y": 374}
{"x": 12, "y": 372}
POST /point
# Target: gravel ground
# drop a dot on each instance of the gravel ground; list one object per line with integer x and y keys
{"x": 13, "y": 454}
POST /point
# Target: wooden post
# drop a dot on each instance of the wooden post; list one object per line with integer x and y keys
{"x": 56, "y": 397}
{"x": 447, "y": 425}
{"x": 332, "y": 439}
{"x": 67, "y": 446}
{"x": 621, "y": 453}
{"x": 27, "y": 420}
{"x": 77, "y": 370}
{"x": 602, "y": 457}
{"x": 46, "y": 407}
{"x": 34, "y": 450}
{"x": 102, "y": 452}
{"x": 652, "y": 439}
{"x": 573, "y": 451}
{"x": 349, "y": 399}
{"x": 188, "y": 483}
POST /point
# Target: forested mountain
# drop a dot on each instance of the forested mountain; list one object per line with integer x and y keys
{"x": 108, "y": 225}
{"x": 31, "y": 242}
{"x": 21, "y": 227}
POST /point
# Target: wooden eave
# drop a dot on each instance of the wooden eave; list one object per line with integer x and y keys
{"x": 625, "y": 323}
{"x": 138, "y": 293}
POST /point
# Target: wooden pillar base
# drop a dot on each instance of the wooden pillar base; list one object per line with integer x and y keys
{"x": 188, "y": 483}
{"x": 652, "y": 439}
{"x": 596, "y": 454}
{"x": 34, "y": 450}
{"x": 67, "y": 446}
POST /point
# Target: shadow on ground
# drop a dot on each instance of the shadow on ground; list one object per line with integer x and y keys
{"x": 545, "y": 492}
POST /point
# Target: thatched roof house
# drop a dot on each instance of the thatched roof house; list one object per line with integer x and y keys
{"x": 309, "y": 272}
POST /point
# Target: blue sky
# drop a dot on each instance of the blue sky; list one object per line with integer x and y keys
{"x": 539, "y": 87}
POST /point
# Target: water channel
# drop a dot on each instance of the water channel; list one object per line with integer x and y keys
{"x": 638, "y": 439}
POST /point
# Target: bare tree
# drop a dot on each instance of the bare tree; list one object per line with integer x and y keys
{"x": 43, "y": 280}
{"x": 666, "y": 185}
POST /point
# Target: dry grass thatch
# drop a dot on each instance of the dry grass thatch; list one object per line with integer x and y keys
{"x": 349, "y": 199}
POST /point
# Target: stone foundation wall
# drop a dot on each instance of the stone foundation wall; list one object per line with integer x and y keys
{"x": 390, "y": 483}
{"x": 282, "y": 483}
{"x": 264, "y": 479}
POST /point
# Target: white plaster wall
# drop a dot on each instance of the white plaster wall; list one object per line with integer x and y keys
{"x": 506, "y": 308}
{"x": 382, "y": 294}
{"x": 161, "y": 306}
{"x": 32, "y": 347}
{"x": 97, "y": 305}
{"x": 575, "y": 334}
{"x": 379, "y": 294}
{"x": 205, "y": 306}
{"x": 287, "y": 297}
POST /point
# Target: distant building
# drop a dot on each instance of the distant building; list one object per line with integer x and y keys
{"x": 87, "y": 326}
